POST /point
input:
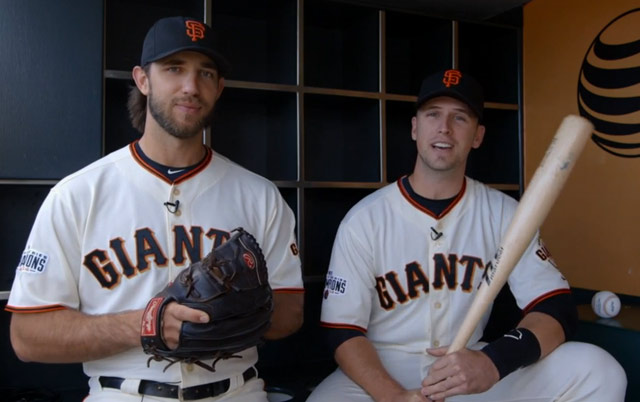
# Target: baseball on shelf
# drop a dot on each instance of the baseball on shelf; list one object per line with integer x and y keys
{"x": 605, "y": 304}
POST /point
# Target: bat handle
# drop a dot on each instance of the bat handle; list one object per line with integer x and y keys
{"x": 481, "y": 304}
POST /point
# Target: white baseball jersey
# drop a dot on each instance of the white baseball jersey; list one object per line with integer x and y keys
{"x": 409, "y": 286}
{"x": 104, "y": 242}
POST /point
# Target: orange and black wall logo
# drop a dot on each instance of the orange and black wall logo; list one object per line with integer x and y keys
{"x": 609, "y": 86}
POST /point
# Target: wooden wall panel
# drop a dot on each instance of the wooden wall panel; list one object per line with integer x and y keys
{"x": 593, "y": 231}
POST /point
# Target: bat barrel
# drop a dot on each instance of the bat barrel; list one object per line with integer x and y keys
{"x": 535, "y": 204}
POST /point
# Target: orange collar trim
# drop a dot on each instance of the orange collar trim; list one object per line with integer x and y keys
{"x": 417, "y": 205}
{"x": 205, "y": 162}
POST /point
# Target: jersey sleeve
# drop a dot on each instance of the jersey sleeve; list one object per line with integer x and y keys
{"x": 536, "y": 276}
{"x": 281, "y": 249}
{"x": 349, "y": 284}
{"x": 45, "y": 277}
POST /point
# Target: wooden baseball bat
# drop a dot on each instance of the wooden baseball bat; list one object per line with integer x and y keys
{"x": 536, "y": 201}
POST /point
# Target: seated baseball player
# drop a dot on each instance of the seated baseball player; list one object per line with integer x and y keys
{"x": 406, "y": 264}
{"x": 110, "y": 238}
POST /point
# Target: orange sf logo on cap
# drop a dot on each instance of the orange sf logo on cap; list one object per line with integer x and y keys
{"x": 451, "y": 77}
{"x": 195, "y": 30}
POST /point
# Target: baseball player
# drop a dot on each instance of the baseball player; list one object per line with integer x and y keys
{"x": 405, "y": 267}
{"x": 110, "y": 236}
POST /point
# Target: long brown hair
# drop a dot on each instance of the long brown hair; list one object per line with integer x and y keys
{"x": 137, "y": 105}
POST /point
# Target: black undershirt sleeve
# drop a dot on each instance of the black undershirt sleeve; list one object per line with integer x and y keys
{"x": 337, "y": 336}
{"x": 563, "y": 308}
{"x": 520, "y": 347}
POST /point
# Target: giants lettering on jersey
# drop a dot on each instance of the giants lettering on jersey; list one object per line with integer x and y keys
{"x": 544, "y": 254}
{"x": 187, "y": 245}
{"x": 391, "y": 291}
{"x": 33, "y": 261}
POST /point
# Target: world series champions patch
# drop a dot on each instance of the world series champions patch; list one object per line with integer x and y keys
{"x": 33, "y": 262}
{"x": 334, "y": 285}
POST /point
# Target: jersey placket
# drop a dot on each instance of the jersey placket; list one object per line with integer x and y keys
{"x": 174, "y": 213}
{"x": 438, "y": 298}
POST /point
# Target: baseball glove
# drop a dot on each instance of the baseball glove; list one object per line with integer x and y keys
{"x": 231, "y": 285}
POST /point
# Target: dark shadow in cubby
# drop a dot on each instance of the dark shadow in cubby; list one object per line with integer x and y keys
{"x": 290, "y": 196}
{"x": 417, "y": 46}
{"x": 491, "y": 54}
{"x": 258, "y": 130}
{"x": 127, "y": 23}
{"x": 340, "y": 46}
{"x": 51, "y": 90}
{"x": 342, "y": 141}
{"x": 325, "y": 208}
{"x": 498, "y": 159}
{"x": 20, "y": 205}
{"x": 258, "y": 39}
{"x": 401, "y": 148}
{"x": 118, "y": 131}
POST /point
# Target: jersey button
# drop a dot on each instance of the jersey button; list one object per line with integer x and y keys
{"x": 189, "y": 367}
{"x": 436, "y": 344}
{"x": 437, "y": 305}
{"x": 178, "y": 213}
{"x": 176, "y": 191}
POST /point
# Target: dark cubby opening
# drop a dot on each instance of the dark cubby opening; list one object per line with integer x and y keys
{"x": 325, "y": 209}
{"x": 259, "y": 39}
{"x": 491, "y": 55}
{"x": 342, "y": 140}
{"x": 118, "y": 130}
{"x": 401, "y": 148}
{"x": 127, "y": 23}
{"x": 416, "y": 46}
{"x": 340, "y": 46}
{"x": 497, "y": 160}
{"x": 258, "y": 130}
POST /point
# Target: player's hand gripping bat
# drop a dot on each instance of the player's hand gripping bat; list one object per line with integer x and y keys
{"x": 547, "y": 181}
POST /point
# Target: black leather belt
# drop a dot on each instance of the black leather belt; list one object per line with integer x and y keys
{"x": 165, "y": 390}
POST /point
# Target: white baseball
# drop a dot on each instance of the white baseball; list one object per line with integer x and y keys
{"x": 605, "y": 304}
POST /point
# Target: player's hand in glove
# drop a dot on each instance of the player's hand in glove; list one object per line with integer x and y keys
{"x": 173, "y": 317}
{"x": 231, "y": 286}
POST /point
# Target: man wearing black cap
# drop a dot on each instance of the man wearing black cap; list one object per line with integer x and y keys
{"x": 112, "y": 235}
{"x": 405, "y": 267}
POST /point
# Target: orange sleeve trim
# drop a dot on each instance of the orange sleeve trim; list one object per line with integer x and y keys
{"x": 289, "y": 290}
{"x": 342, "y": 326}
{"x": 545, "y": 297}
{"x": 37, "y": 309}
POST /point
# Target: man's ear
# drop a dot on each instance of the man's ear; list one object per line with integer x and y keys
{"x": 220, "y": 87}
{"x": 141, "y": 79}
{"x": 414, "y": 133}
{"x": 479, "y": 136}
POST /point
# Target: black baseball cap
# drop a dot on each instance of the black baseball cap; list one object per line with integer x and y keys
{"x": 455, "y": 84}
{"x": 175, "y": 34}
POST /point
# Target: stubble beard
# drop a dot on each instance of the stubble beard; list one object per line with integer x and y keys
{"x": 160, "y": 112}
{"x": 436, "y": 164}
{"x": 440, "y": 166}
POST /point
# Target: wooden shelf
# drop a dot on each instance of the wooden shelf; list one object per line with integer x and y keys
{"x": 628, "y": 318}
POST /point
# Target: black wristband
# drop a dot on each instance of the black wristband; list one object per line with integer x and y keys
{"x": 515, "y": 349}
